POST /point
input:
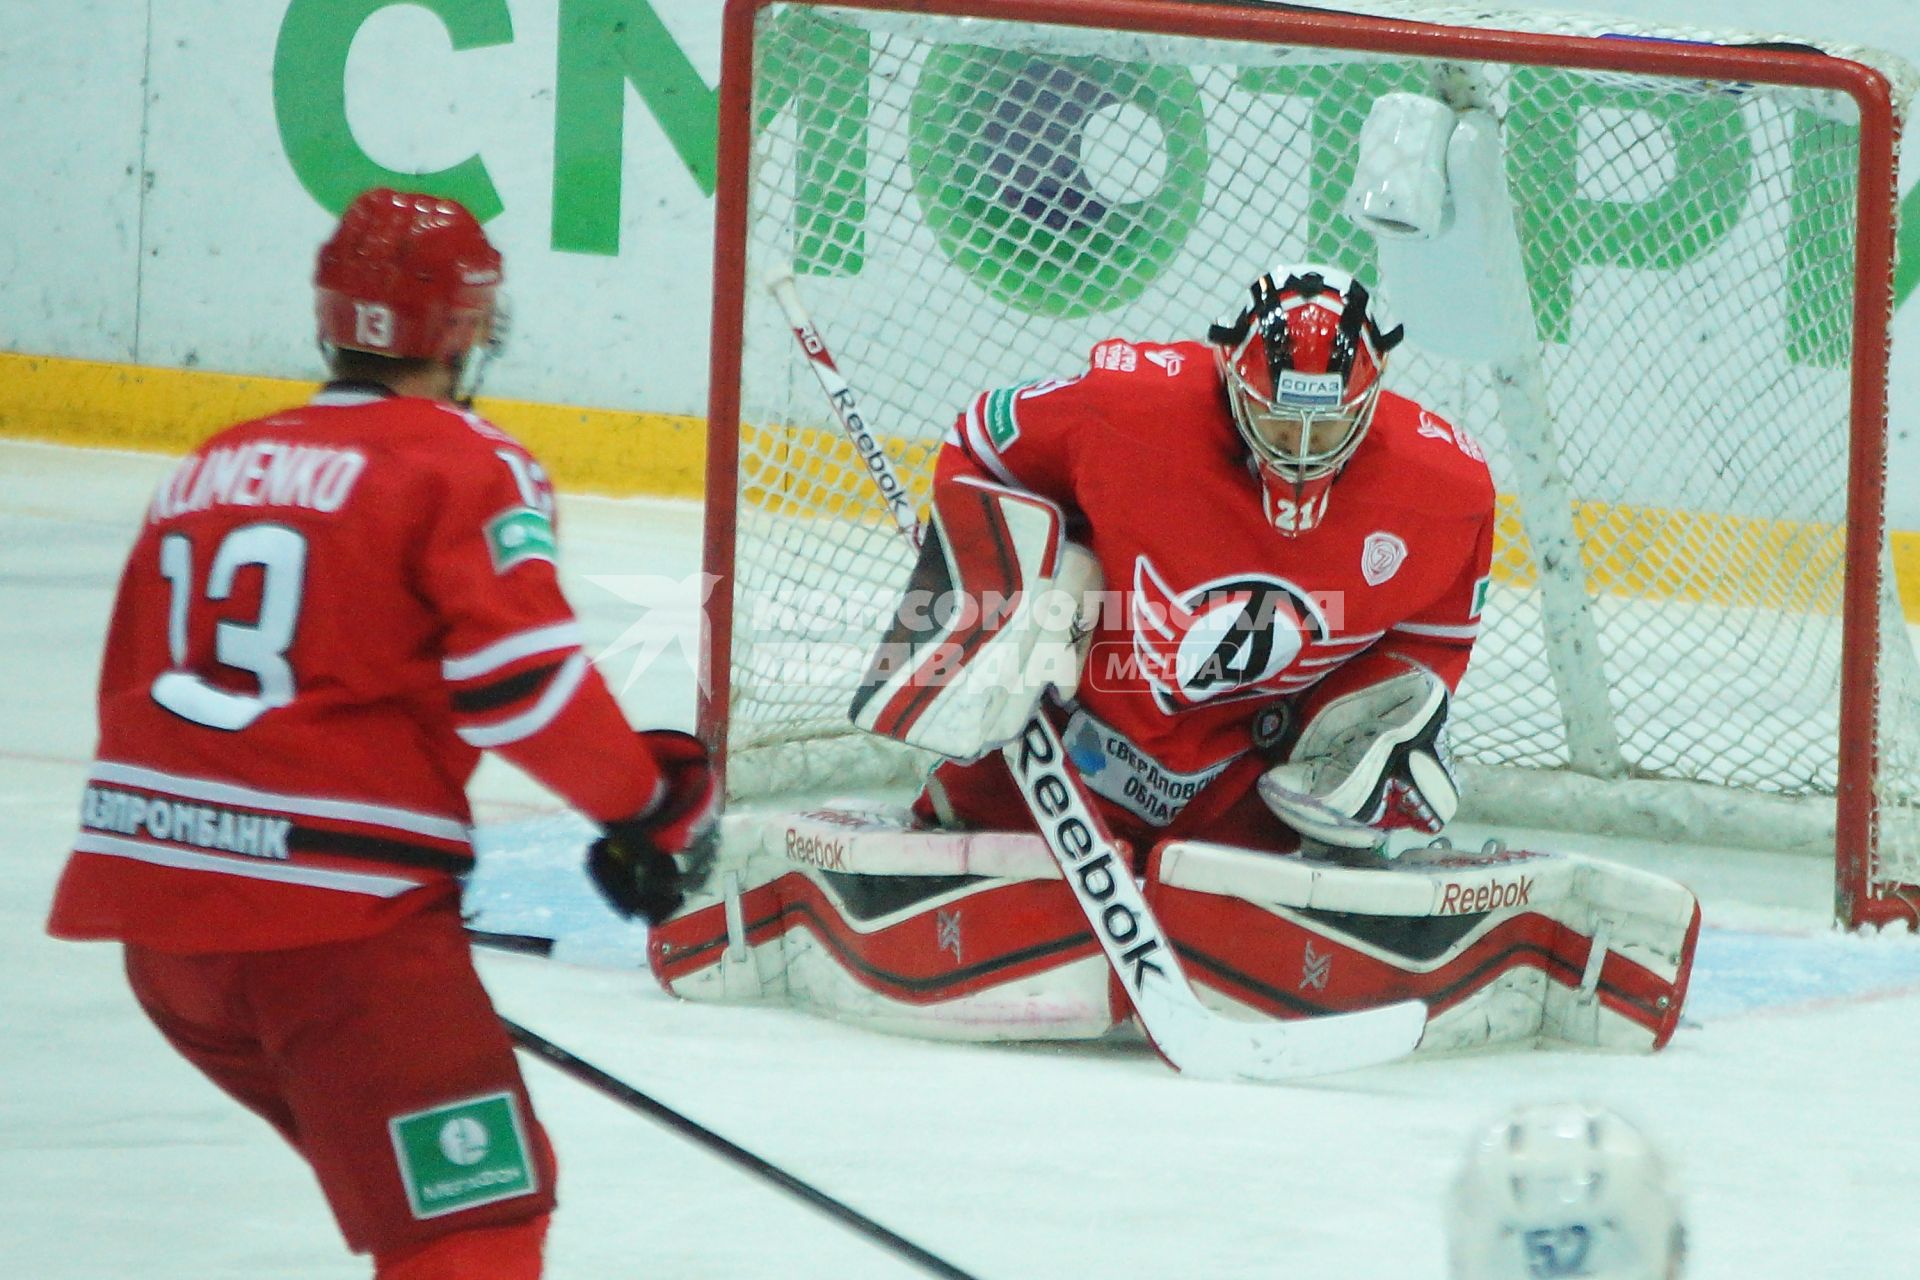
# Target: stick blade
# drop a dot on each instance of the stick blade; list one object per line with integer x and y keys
{"x": 1219, "y": 1047}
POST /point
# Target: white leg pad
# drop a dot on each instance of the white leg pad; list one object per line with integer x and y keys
{"x": 1510, "y": 948}
{"x": 850, "y": 914}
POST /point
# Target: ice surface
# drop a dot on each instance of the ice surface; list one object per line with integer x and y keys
{"x": 1783, "y": 1101}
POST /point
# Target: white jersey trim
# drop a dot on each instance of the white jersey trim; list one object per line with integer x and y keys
{"x": 425, "y": 824}
{"x": 521, "y": 644}
{"x": 339, "y": 398}
{"x": 1358, "y": 640}
{"x": 1330, "y": 653}
{"x": 1442, "y": 631}
{"x": 376, "y": 886}
{"x": 981, "y": 446}
{"x": 558, "y": 694}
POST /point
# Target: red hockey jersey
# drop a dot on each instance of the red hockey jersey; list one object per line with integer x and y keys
{"x": 1218, "y": 634}
{"x": 328, "y": 614}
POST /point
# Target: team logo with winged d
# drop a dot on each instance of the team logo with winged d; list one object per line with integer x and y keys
{"x": 1223, "y": 639}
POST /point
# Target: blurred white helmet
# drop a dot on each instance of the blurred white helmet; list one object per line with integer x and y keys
{"x": 1564, "y": 1190}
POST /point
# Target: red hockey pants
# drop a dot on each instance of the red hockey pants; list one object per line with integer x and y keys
{"x": 381, "y": 1060}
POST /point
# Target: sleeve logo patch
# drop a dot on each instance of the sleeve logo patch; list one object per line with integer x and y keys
{"x": 517, "y": 534}
{"x": 463, "y": 1154}
{"x": 1002, "y": 427}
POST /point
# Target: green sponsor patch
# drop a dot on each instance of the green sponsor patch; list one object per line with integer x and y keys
{"x": 1479, "y": 597}
{"x": 519, "y": 533}
{"x": 1002, "y": 427}
{"x": 462, "y": 1154}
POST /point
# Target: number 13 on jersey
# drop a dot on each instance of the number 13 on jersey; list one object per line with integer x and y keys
{"x": 258, "y": 647}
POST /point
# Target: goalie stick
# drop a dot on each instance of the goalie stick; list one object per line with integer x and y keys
{"x": 1194, "y": 1039}
{"x": 625, "y": 1094}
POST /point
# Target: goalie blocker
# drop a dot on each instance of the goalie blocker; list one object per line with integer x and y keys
{"x": 994, "y": 614}
{"x": 853, "y": 914}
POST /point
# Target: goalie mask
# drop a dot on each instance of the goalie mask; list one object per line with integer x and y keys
{"x": 412, "y": 277}
{"x": 1564, "y": 1190}
{"x": 1302, "y": 365}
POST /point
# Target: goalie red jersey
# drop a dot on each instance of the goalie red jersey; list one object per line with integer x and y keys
{"x": 1234, "y": 609}
{"x": 329, "y": 613}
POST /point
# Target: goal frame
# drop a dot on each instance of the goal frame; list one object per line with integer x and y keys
{"x": 1856, "y": 804}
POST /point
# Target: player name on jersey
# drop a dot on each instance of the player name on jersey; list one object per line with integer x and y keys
{"x": 260, "y": 473}
{"x": 185, "y": 822}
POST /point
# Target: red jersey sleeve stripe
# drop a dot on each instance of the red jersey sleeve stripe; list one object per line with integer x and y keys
{"x": 553, "y": 699}
{"x": 509, "y": 649}
{"x": 160, "y": 855}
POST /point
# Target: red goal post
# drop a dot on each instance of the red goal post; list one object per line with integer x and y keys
{"x": 1692, "y": 630}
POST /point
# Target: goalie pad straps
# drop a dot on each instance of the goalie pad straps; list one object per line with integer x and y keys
{"x": 1369, "y": 761}
{"x": 990, "y": 618}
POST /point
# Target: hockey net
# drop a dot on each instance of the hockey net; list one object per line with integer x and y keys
{"x": 971, "y": 199}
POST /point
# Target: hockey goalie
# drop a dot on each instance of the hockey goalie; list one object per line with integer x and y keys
{"x": 1242, "y": 581}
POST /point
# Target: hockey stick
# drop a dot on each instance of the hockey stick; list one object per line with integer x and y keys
{"x": 846, "y": 408}
{"x": 525, "y": 944}
{"x": 1193, "y": 1038}
{"x": 625, "y": 1094}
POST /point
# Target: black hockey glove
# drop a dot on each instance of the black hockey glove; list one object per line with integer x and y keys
{"x": 639, "y": 863}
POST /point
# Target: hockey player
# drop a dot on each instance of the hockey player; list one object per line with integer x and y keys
{"x": 327, "y": 615}
{"x": 1294, "y": 561}
{"x": 1564, "y": 1190}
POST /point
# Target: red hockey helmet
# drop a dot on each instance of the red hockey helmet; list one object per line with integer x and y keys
{"x": 407, "y": 275}
{"x": 1302, "y": 362}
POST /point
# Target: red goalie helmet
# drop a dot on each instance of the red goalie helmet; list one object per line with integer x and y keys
{"x": 407, "y": 275}
{"x": 1302, "y": 363}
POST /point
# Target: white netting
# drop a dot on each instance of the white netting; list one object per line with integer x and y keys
{"x": 972, "y": 203}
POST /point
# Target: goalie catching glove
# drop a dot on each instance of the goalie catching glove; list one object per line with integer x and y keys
{"x": 1368, "y": 762}
{"x": 639, "y": 862}
{"x": 997, "y": 611}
